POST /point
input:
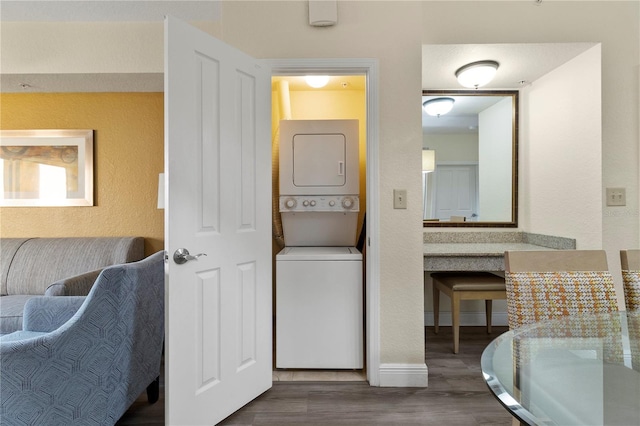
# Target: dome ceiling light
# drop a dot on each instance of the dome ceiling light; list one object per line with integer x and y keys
{"x": 317, "y": 81}
{"x": 438, "y": 106}
{"x": 477, "y": 74}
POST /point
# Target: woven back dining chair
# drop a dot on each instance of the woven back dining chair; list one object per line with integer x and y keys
{"x": 554, "y": 283}
{"x": 630, "y": 265}
{"x": 630, "y": 262}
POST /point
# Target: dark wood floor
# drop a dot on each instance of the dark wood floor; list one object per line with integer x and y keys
{"x": 457, "y": 395}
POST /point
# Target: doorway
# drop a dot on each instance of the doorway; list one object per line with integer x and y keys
{"x": 456, "y": 189}
{"x": 337, "y": 97}
{"x": 350, "y": 74}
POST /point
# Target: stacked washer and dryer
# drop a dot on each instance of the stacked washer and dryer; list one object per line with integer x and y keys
{"x": 319, "y": 291}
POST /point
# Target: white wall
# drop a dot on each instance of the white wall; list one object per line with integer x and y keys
{"x": 453, "y": 147}
{"x": 81, "y": 47}
{"x": 495, "y": 165}
{"x": 281, "y": 30}
{"x": 614, "y": 24}
{"x": 561, "y": 152}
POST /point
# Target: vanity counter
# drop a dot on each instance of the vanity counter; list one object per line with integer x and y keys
{"x": 477, "y": 249}
{"x": 478, "y": 252}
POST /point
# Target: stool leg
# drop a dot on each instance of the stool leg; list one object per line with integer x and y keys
{"x": 436, "y": 308}
{"x": 455, "y": 321}
{"x": 488, "y": 305}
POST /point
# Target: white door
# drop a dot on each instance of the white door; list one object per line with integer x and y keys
{"x": 218, "y": 170}
{"x": 456, "y": 191}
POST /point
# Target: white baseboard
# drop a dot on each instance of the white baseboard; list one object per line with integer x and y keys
{"x": 468, "y": 318}
{"x": 403, "y": 375}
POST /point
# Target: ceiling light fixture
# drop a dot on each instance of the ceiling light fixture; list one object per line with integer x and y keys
{"x": 317, "y": 81}
{"x": 438, "y": 106}
{"x": 477, "y": 74}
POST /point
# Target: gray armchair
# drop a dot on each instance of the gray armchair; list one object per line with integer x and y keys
{"x": 84, "y": 359}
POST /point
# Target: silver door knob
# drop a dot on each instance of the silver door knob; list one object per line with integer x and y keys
{"x": 182, "y": 256}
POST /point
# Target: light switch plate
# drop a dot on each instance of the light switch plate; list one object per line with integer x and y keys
{"x": 399, "y": 198}
{"x": 616, "y": 197}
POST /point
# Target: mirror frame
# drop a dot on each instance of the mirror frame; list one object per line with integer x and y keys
{"x": 513, "y": 223}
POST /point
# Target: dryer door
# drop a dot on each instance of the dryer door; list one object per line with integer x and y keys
{"x": 319, "y": 160}
{"x": 319, "y": 157}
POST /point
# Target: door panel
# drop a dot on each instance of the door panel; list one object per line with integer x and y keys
{"x": 218, "y": 167}
{"x": 456, "y": 191}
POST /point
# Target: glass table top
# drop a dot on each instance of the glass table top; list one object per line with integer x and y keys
{"x": 576, "y": 370}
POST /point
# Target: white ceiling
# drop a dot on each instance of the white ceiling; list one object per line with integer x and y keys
{"x": 520, "y": 65}
{"x": 525, "y": 62}
{"x": 463, "y": 118}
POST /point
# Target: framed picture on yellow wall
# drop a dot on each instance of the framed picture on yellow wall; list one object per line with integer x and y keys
{"x": 45, "y": 168}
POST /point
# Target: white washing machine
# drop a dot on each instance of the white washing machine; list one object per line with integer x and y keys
{"x": 319, "y": 303}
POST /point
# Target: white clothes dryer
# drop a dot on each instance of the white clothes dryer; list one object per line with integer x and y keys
{"x": 319, "y": 182}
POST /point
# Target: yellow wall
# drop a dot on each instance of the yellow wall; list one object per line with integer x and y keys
{"x": 128, "y": 155}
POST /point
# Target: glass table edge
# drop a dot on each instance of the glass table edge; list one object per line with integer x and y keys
{"x": 499, "y": 391}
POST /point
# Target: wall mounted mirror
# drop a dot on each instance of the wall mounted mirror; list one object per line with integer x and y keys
{"x": 474, "y": 182}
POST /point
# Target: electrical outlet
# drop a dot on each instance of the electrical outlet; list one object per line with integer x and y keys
{"x": 399, "y": 198}
{"x": 616, "y": 197}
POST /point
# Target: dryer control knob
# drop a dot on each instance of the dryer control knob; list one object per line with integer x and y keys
{"x": 312, "y": 203}
{"x": 290, "y": 203}
{"x": 347, "y": 202}
{"x": 332, "y": 203}
{"x": 305, "y": 203}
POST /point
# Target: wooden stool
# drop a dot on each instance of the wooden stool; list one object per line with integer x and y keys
{"x": 464, "y": 286}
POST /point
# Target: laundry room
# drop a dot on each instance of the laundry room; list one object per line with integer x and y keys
{"x": 319, "y": 203}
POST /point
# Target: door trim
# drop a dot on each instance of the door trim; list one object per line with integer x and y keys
{"x": 368, "y": 67}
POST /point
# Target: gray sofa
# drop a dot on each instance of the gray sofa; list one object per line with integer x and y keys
{"x": 32, "y": 267}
